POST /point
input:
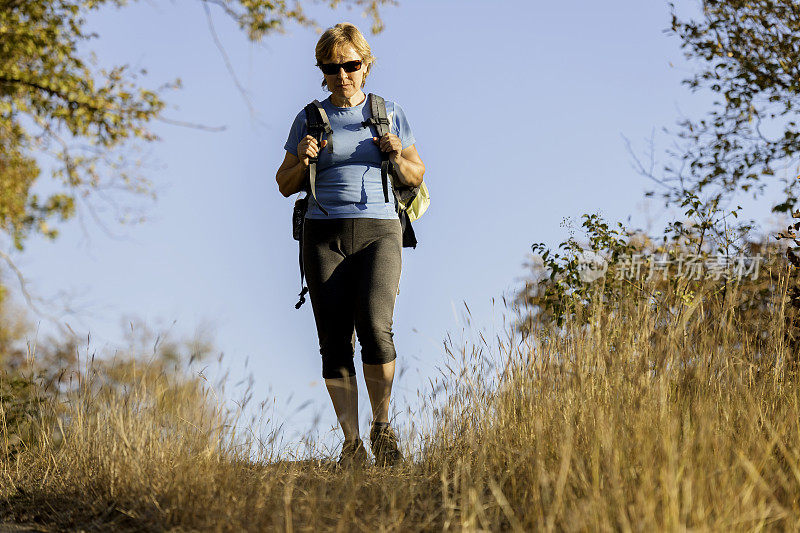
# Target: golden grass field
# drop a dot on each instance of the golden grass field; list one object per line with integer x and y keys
{"x": 644, "y": 418}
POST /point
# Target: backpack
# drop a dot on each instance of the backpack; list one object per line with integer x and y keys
{"x": 410, "y": 202}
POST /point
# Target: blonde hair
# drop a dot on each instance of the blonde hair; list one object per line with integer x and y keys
{"x": 344, "y": 33}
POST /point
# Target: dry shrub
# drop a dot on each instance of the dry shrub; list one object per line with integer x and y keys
{"x": 661, "y": 413}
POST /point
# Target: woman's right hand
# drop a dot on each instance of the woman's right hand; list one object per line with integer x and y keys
{"x": 308, "y": 148}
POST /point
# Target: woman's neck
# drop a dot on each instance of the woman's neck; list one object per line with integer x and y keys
{"x": 353, "y": 101}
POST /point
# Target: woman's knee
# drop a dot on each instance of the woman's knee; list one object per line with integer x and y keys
{"x": 380, "y": 357}
{"x": 337, "y": 365}
{"x": 377, "y": 345}
{"x": 373, "y": 319}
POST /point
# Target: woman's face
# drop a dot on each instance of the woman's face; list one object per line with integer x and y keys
{"x": 345, "y": 84}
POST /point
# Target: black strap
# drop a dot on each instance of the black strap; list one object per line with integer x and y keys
{"x": 298, "y": 221}
{"x": 318, "y": 125}
{"x": 409, "y": 237}
{"x": 303, "y": 288}
{"x": 380, "y": 120}
{"x": 385, "y": 178}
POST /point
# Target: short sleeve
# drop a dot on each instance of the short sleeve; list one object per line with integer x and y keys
{"x": 401, "y": 126}
{"x": 297, "y": 132}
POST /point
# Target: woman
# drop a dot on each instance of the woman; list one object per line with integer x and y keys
{"x": 352, "y": 255}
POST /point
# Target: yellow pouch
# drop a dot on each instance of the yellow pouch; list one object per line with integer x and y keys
{"x": 420, "y": 203}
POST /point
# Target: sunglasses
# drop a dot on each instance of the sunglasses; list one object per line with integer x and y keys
{"x": 333, "y": 68}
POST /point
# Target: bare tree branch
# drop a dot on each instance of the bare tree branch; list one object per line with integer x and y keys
{"x": 191, "y": 125}
{"x": 227, "y": 60}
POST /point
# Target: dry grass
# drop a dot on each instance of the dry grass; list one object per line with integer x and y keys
{"x": 647, "y": 418}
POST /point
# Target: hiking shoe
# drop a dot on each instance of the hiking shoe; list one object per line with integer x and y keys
{"x": 384, "y": 445}
{"x": 353, "y": 455}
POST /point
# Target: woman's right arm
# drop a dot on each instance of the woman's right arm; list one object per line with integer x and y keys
{"x": 292, "y": 171}
{"x": 290, "y": 175}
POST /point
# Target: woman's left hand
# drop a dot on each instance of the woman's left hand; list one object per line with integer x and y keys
{"x": 390, "y": 143}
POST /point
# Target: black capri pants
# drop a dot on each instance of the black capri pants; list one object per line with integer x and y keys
{"x": 352, "y": 268}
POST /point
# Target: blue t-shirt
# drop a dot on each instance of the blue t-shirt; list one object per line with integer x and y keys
{"x": 349, "y": 168}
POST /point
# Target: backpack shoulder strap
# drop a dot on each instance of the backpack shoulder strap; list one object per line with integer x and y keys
{"x": 323, "y": 116}
{"x": 380, "y": 120}
{"x": 318, "y": 126}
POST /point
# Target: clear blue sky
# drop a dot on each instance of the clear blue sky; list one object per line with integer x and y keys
{"x": 518, "y": 110}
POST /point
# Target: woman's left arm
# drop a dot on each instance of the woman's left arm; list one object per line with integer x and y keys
{"x": 408, "y": 166}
